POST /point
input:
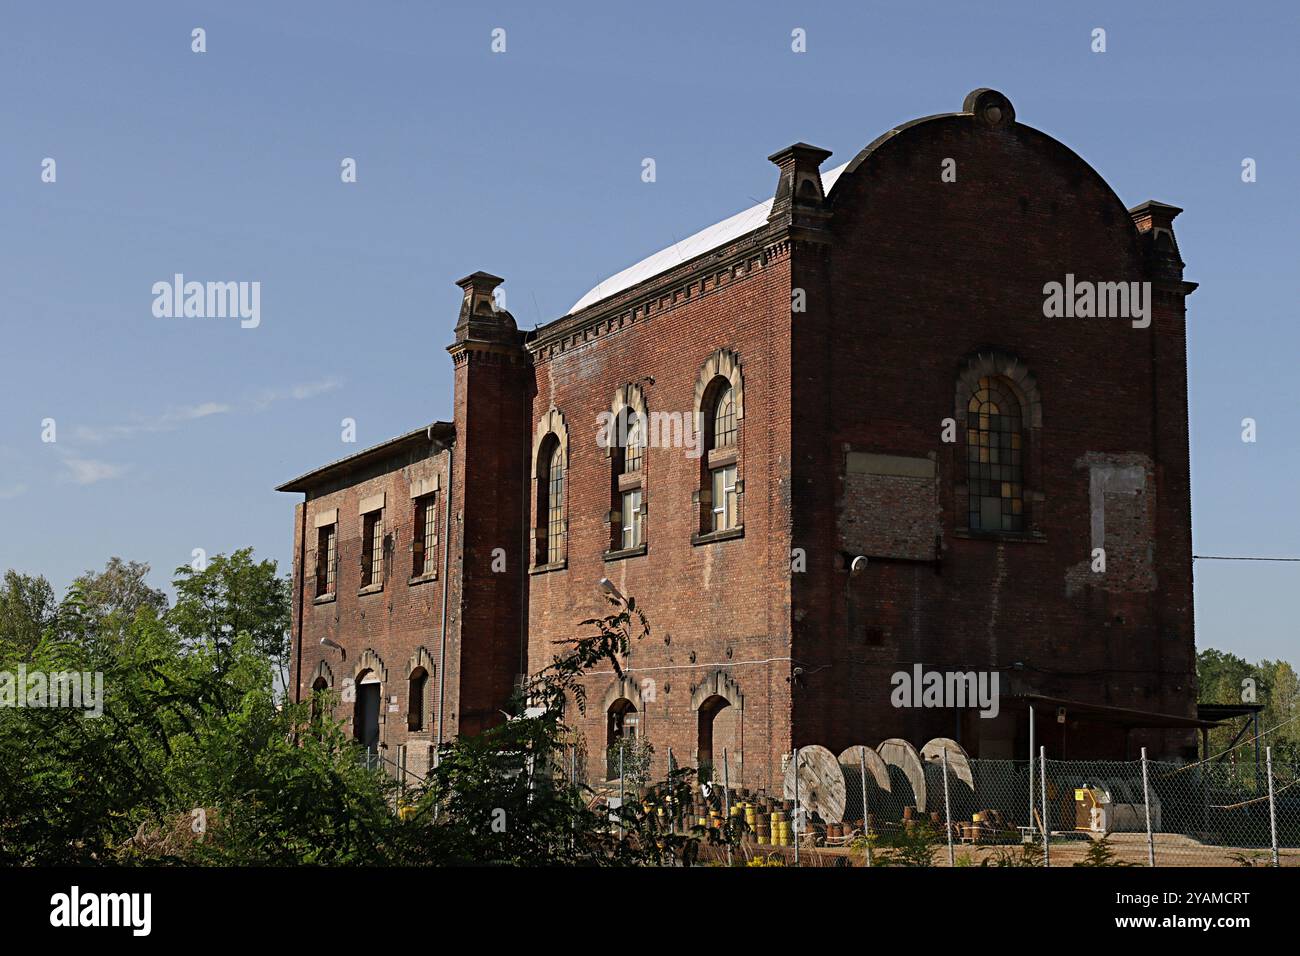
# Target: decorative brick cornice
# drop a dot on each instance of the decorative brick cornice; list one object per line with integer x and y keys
{"x": 708, "y": 275}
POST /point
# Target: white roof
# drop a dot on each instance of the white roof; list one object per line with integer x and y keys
{"x": 719, "y": 234}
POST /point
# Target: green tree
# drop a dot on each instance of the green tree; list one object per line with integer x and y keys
{"x": 234, "y": 595}
{"x": 27, "y": 608}
{"x": 120, "y": 589}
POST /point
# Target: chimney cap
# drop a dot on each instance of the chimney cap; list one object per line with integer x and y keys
{"x": 800, "y": 151}
{"x": 480, "y": 280}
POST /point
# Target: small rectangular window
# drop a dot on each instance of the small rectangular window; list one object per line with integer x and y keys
{"x": 424, "y": 543}
{"x": 725, "y": 504}
{"x": 372, "y": 548}
{"x": 325, "y": 555}
{"x": 631, "y": 519}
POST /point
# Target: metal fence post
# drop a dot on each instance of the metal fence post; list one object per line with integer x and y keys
{"x": 1146, "y": 800}
{"x": 947, "y": 808}
{"x": 1042, "y": 782}
{"x": 622, "y": 829}
{"x": 672, "y": 804}
{"x": 726, "y": 803}
{"x": 1272, "y": 806}
{"x": 794, "y": 823}
{"x": 1030, "y": 819}
{"x": 866, "y": 809}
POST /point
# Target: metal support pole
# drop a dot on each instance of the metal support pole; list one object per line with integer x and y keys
{"x": 1146, "y": 799}
{"x": 794, "y": 823}
{"x": 726, "y": 803}
{"x": 866, "y": 809}
{"x": 1030, "y": 821}
{"x": 1042, "y": 781}
{"x": 622, "y": 799}
{"x": 1272, "y": 805}
{"x": 947, "y": 808}
{"x": 1254, "y": 729}
{"x": 672, "y": 804}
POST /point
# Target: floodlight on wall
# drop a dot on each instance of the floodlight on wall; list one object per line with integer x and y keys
{"x": 329, "y": 642}
{"x": 858, "y": 565}
{"x": 607, "y": 587}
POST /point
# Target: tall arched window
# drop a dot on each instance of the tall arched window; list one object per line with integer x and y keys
{"x": 721, "y": 458}
{"x": 550, "y": 505}
{"x": 995, "y": 458}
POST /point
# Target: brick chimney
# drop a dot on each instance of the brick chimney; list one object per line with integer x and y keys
{"x": 493, "y": 410}
{"x": 1155, "y": 225}
{"x": 800, "y": 201}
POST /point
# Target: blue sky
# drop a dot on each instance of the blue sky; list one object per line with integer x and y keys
{"x": 225, "y": 166}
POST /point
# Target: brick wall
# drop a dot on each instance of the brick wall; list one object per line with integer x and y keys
{"x": 394, "y": 622}
{"x": 922, "y": 274}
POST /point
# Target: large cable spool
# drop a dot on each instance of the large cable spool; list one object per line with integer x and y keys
{"x": 961, "y": 777}
{"x": 906, "y": 770}
{"x": 958, "y": 760}
{"x": 851, "y": 761}
{"x": 821, "y": 783}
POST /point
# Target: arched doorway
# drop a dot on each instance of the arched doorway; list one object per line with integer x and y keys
{"x": 708, "y": 735}
{"x": 622, "y": 723}
{"x": 318, "y": 687}
{"x": 365, "y": 719}
{"x": 720, "y": 708}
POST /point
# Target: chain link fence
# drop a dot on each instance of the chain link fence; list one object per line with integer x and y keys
{"x": 1046, "y": 813}
{"x": 1094, "y": 812}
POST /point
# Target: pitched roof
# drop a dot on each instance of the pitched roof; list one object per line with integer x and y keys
{"x": 719, "y": 234}
{"x": 444, "y": 432}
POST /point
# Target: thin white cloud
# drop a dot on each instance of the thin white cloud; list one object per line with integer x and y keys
{"x": 167, "y": 421}
{"x": 304, "y": 390}
{"x": 87, "y": 471}
{"x": 12, "y": 491}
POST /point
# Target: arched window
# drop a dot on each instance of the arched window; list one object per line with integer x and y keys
{"x": 419, "y": 684}
{"x": 995, "y": 454}
{"x": 721, "y": 459}
{"x": 627, "y": 529}
{"x": 723, "y": 433}
{"x": 550, "y": 504}
{"x": 633, "y": 443}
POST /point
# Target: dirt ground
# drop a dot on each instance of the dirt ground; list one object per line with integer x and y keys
{"x": 1172, "y": 849}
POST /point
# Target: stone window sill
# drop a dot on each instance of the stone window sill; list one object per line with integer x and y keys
{"x": 712, "y": 537}
{"x": 1027, "y": 537}
{"x": 324, "y": 598}
{"x": 370, "y": 589}
{"x": 423, "y": 578}
{"x": 548, "y": 568}
{"x": 622, "y": 553}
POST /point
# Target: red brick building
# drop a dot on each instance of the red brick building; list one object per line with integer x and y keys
{"x": 876, "y": 371}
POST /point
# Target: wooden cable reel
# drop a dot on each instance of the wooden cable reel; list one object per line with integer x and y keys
{"x": 902, "y": 756}
{"x": 821, "y": 783}
{"x": 851, "y": 760}
{"x": 958, "y": 760}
